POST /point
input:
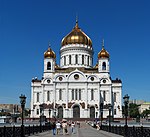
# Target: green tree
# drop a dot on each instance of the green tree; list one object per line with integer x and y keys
{"x": 145, "y": 113}
{"x": 134, "y": 110}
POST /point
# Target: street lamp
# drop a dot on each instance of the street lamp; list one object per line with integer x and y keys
{"x": 55, "y": 114}
{"x": 49, "y": 113}
{"x": 96, "y": 115}
{"x": 101, "y": 111}
{"x": 22, "y": 102}
{"x": 49, "y": 116}
{"x": 41, "y": 109}
{"x": 109, "y": 107}
{"x": 126, "y": 102}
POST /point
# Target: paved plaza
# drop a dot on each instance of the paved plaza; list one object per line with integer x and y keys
{"x": 84, "y": 131}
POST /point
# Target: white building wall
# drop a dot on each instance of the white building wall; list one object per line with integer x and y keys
{"x": 68, "y": 83}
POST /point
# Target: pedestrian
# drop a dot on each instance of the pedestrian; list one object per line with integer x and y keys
{"x": 69, "y": 129}
{"x": 54, "y": 127}
{"x": 58, "y": 126}
{"x": 78, "y": 123}
{"x": 73, "y": 127}
{"x": 64, "y": 126}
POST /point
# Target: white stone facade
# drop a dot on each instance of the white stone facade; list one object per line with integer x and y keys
{"x": 76, "y": 88}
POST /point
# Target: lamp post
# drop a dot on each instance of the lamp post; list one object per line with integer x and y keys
{"x": 101, "y": 113}
{"x": 96, "y": 115}
{"x": 126, "y": 102}
{"x": 32, "y": 112}
{"x": 49, "y": 113}
{"x": 54, "y": 114}
{"x": 109, "y": 107}
{"x": 41, "y": 109}
{"x": 22, "y": 102}
{"x": 49, "y": 116}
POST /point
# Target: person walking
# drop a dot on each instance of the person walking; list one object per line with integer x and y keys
{"x": 64, "y": 126}
{"x": 54, "y": 128}
{"x": 73, "y": 127}
{"x": 58, "y": 127}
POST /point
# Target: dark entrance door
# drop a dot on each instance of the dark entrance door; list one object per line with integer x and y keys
{"x": 76, "y": 112}
{"x": 60, "y": 112}
{"x": 92, "y": 112}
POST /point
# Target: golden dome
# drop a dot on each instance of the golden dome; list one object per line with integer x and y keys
{"x": 96, "y": 66}
{"x": 103, "y": 53}
{"x": 49, "y": 53}
{"x": 76, "y": 36}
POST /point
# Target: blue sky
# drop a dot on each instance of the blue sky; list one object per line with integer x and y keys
{"x": 26, "y": 26}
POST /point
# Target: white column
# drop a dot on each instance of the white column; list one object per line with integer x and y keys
{"x": 86, "y": 93}
{"x": 67, "y": 100}
{"x": 67, "y": 96}
{"x": 54, "y": 93}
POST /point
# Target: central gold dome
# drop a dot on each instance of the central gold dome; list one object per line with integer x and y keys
{"x": 76, "y": 36}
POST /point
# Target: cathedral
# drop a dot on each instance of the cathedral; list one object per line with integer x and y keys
{"x": 76, "y": 88}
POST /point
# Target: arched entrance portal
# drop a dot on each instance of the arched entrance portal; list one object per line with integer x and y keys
{"x": 76, "y": 112}
{"x": 60, "y": 112}
{"x": 92, "y": 112}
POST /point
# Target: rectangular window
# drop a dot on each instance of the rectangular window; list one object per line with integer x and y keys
{"x": 69, "y": 59}
{"x": 82, "y": 59}
{"x": 115, "y": 112}
{"x": 104, "y": 95}
{"x": 60, "y": 94}
{"x": 88, "y": 60}
{"x": 92, "y": 94}
{"x": 48, "y": 96}
{"x": 79, "y": 94}
{"x": 114, "y": 97}
{"x": 72, "y": 94}
{"x": 76, "y": 59}
{"x": 64, "y": 60}
{"x": 76, "y": 94}
{"x": 37, "y": 97}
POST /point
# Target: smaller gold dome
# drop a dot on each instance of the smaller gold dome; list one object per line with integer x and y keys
{"x": 96, "y": 66}
{"x": 49, "y": 53}
{"x": 103, "y": 53}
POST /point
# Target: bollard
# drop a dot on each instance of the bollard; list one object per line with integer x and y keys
{"x": 14, "y": 131}
{"x": 33, "y": 130}
{"x": 29, "y": 131}
{"x": 4, "y": 132}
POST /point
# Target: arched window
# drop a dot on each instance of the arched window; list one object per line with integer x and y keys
{"x": 60, "y": 94}
{"x": 69, "y": 59}
{"x": 72, "y": 94}
{"x": 104, "y": 95}
{"x": 104, "y": 66}
{"x": 76, "y": 59}
{"x": 114, "y": 97}
{"x": 82, "y": 59}
{"x": 48, "y": 65}
{"x": 37, "y": 97}
{"x": 48, "y": 96}
{"x": 92, "y": 94}
{"x": 64, "y": 60}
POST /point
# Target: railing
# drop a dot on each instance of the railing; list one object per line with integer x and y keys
{"x": 128, "y": 131}
{"x": 28, "y": 130}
